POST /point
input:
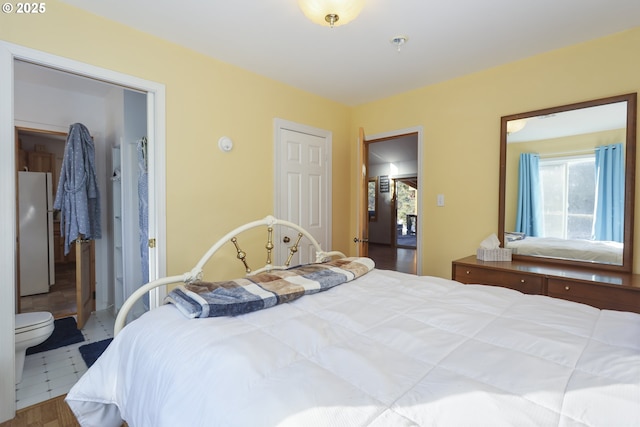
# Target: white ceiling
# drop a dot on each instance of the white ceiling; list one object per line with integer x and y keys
{"x": 573, "y": 122}
{"x": 401, "y": 149}
{"x": 35, "y": 74}
{"x": 356, "y": 63}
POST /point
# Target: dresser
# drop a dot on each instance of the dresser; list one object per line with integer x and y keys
{"x": 601, "y": 289}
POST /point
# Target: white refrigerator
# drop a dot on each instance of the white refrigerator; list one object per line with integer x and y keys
{"x": 35, "y": 213}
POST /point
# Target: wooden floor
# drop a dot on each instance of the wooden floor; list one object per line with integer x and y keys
{"x": 387, "y": 257}
{"x": 60, "y": 300}
{"x": 50, "y": 413}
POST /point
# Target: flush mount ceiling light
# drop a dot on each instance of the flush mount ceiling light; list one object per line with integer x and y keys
{"x": 332, "y": 12}
{"x": 399, "y": 41}
{"x": 516, "y": 125}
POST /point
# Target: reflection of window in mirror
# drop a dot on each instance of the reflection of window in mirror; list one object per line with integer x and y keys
{"x": 568, "y": 196}
{"x": 373, "y": 199}
{"x": 569, "y": 201}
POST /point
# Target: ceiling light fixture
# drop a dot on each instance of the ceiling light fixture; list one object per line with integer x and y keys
{"x": 516, "y": 125}
{"x": 332, "y": 12}
{"x": 399, "y": 41}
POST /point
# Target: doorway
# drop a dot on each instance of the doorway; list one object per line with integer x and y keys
{"x": 155, "y": 100}
{"x": 393, "y": 172}
{"x": 41, "y": 151}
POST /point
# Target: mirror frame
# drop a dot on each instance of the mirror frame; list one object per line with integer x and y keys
{"x": 630, "y": 173}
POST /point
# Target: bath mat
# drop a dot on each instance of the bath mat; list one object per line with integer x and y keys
{"x": 65, "y": 333}
{"x": 90, "y": 352}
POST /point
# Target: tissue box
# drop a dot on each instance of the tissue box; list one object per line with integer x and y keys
{"x": 499, "y": 254}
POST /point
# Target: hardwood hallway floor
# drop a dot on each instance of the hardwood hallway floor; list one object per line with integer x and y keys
{"x": 389, "y": 258}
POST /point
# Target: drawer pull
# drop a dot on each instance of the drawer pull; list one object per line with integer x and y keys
{"x": 566, "y": 288}
{"x": 521, "y": 280}
{"x": 468, "y": 272}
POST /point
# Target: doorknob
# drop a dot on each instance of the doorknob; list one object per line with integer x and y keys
{"x": 356, "y": 240}
{"x": 286, "y": 239}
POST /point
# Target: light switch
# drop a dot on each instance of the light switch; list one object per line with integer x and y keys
{"x": 440, "y": 200}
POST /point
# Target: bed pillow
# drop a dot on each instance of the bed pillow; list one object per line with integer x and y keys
{"x": 512, "y": 236}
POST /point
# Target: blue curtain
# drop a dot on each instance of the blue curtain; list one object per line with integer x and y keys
{"x": 529, "y": 218}
{"x": 608, "y": 215}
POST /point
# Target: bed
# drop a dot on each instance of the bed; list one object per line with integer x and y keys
{"x": 585, "y": 250}
{"x": 381, "y": 349}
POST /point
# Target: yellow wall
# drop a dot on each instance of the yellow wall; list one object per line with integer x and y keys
{"x": 208, "y": 192}
{"x": 461, "y": 120}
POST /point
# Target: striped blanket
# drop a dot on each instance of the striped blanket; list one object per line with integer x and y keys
{"x": 264, "y": 290}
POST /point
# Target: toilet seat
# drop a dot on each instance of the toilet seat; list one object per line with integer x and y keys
{"x": 26, "y": 322}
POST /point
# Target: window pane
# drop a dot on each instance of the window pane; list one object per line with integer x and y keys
{"x": 554, "y": 225}
{"x": 581, "y": 199}
{"x": 581, "y": 187}
{"x": 372, "y": 196}
{"x": 579, "y": 227}
{"x": 552, "y": 178}
{"x": 568, "y": 194}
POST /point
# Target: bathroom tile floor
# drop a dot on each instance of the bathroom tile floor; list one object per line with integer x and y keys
{"x": 52, "y": 373}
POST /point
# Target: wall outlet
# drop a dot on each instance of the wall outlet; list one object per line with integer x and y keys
{"x": 440, "y": 200}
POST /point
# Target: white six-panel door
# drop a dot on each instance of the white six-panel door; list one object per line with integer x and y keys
{"x": 303, "y": 187}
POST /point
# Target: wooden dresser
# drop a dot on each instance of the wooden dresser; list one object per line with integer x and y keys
{"x": 602, "y": 289}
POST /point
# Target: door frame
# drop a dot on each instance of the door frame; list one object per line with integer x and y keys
{"x": 278, "y": 126}
{"x": 10, "y": 52}
{"x": 45, "y": 133}
{"x": 364, "y": 166}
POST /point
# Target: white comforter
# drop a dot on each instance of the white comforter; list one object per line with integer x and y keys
{"x": 583, "y": 250}
{"x": 388, "y": 349}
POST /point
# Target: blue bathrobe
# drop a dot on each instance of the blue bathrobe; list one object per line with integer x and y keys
{"x": 77, "y": 196}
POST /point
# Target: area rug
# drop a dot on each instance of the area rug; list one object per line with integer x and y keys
{"x": 90, "y": 352}
{"x": 65, "y": 333}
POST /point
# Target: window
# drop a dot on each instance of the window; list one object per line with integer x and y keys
{"x": 568, "y": 196}
{"x": 373, "y": 199}
{"x": 406, "y": 202}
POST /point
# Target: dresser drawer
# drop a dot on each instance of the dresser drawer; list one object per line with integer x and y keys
{"x": 525, "y": 283}
{"x": 600, "y": 296}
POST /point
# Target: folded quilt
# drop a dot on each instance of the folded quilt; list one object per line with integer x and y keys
{"x": 264, "y": 290}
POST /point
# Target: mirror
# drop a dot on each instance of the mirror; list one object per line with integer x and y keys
{"x": 567, "y": 183}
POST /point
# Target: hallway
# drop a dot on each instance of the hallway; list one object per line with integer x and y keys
{"x": 390, "y": 258}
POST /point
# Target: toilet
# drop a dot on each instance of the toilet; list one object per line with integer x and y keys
{"x": 31, "y": 329}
